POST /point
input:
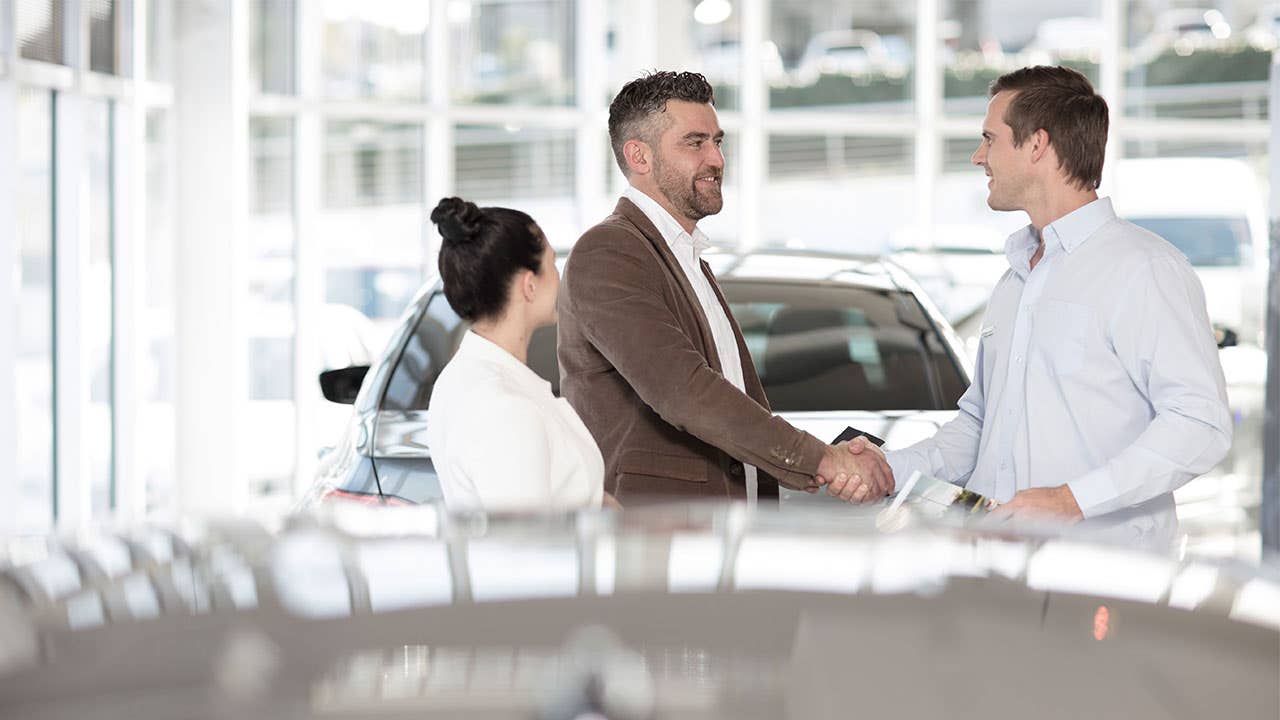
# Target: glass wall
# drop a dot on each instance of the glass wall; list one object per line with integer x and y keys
{"x": 513, "y": 51}
{"x": 39, "y": 30}
{"x": 269, "y": 432}
{"x": 858, "y": 57}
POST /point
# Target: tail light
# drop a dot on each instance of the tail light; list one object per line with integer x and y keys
{"x": 336, "y": 495}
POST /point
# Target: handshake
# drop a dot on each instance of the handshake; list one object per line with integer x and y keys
{"x": 854, "y": 471}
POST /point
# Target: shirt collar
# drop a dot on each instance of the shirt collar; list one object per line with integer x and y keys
{"x": 480, "y": 348}
{"x": 671, "y": 230}
{"x": 1064, "y": 234}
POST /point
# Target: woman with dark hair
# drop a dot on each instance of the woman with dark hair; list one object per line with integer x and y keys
{"x": 499, "y": 439}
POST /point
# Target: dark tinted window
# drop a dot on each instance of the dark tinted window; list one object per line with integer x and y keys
{"x": 428, "y": 348}
{"x": 433, "y": 343}
{"x": 815, "y": 347}
{"x": 1207, "y": 242}
{"x": 844, "y": 348}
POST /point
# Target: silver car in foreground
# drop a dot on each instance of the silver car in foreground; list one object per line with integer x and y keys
{"x": 695, "y": 611}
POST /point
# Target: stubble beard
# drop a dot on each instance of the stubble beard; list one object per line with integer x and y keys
{"x": 684, "y": 194}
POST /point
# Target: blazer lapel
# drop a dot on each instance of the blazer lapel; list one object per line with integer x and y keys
{"x": 636, "y": 216}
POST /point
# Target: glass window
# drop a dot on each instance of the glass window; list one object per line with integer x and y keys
{"x": 1198, "y": 62}
{"x": 160, "y": 32}
{"x": 156, "y": 327}
{"x": 98, "y": 317}
{"x": 835, "y": 53}
{"x": 978, "y": 40}
{"x": 269, "y": 437}
{"x": 39, "y": 30}
{"x": 372, "y": 163}
{"x": 375, "y": 49}
{"x": 821, "y": 348}
{"x": 433, "y": 342}
{"x": 272, "y": 38}
{"x": 820, "y": 182}
{"x": 371, "y": 234}
{"x": 527, "y": 168}
{"x": 513, "y": 51}
{"x": 102, "y": 36}
{"x": 33, "y": 311}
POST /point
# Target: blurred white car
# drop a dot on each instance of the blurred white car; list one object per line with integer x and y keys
{"x": 848, "y": 52}
{"x": 1212, "y": 210}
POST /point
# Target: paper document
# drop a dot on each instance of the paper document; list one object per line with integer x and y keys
{"x": 933, "y": 497}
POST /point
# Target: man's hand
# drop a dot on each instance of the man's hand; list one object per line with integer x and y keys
{"x": 856, "y": 472}
{"x": 1056, "y": 504}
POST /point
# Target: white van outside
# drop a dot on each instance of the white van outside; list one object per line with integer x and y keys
{"x": 1214, "y": 211}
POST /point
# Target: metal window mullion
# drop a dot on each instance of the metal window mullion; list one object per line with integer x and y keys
{"x": 753, "y": 143}
{"x": 438, "y": 166}
{"x": 1111, "y": 82}
{"x": 590, "y": 162}
{"x": 928, "y": 104}
{"x": 1269, "y": 519}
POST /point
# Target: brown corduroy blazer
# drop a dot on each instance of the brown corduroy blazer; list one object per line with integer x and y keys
{"x": 638, "y": 364}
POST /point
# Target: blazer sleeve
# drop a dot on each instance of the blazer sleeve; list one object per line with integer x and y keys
{"x": 613, "y": 289}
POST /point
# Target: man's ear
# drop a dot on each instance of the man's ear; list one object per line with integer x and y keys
{"x": 1039, "y": 144}
{"x": 639, "y": 156}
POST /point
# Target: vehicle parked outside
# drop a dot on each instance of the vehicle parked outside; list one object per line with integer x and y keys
{"x": 837, "y": 340}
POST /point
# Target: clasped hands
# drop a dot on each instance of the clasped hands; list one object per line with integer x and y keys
{"x": 855, "y": 471}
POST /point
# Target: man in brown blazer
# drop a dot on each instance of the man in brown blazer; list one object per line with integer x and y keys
{"x": 650, "y": 355}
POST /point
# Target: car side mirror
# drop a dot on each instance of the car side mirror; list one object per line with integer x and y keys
{"x": 1225, "y": 336}
{"x": 343, "y": 385}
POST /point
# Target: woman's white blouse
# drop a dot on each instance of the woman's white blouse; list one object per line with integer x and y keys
{"x": 501, "y": 441}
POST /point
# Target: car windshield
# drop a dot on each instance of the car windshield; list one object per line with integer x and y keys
{"x": 820, "y": 347}
{"x": 816, "y": 347}
{"x": 1207, "y": 242}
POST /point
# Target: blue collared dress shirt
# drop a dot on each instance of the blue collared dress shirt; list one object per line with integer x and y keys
{"x": 1097, "y": 369}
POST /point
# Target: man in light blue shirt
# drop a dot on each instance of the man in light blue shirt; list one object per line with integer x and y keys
{"x": 1097, "y": 389}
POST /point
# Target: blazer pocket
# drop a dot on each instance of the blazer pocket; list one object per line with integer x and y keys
{"x": 676, "y": 467}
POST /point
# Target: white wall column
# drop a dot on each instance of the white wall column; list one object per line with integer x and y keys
{"x": 127, "y": 250}
{"x": 308, "y": 264}
{"x": 73, "y": 493}
{"x": 210, "y": 105}
{"x": 130, "y": 262}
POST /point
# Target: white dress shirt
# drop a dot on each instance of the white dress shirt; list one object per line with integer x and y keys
{"x": 1097, "y": 369}
{"x": 501, "y": 441}
{"x": 688, "y": 251}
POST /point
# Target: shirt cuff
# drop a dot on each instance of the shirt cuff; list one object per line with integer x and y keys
{"x": 1093, "y": 492}
{"x": 902, "y": 465}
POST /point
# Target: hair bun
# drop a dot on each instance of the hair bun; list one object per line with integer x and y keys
{"x": 457, "y": 220}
